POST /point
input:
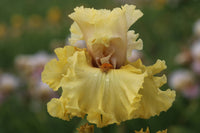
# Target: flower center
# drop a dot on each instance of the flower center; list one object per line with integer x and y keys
{"x": 106, "y": 67}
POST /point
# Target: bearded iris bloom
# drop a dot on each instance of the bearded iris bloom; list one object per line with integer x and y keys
{"x": 98, "y": 81}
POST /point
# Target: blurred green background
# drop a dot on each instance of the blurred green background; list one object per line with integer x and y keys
{"x": 27, "y": 27}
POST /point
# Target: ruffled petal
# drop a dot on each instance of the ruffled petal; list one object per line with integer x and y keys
{"x": 105, "y": 32}
{"x": 132, "y": 15}
{"x": 64, "y": 53}
{"x": 133, "y": 43}
{"x": 56, "y": 108}
{"x": 106, "y": 98}
{"x": 154, "y": 100}
{"x": 54, "y": 70}
{"x": 76, "y": 34}
{"x": 53, "y": 73}
{"x": 157, "y": 67}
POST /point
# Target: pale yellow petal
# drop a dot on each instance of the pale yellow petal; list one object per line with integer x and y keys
{"x": 155, "y": 100}
{"x": 56, "y": 108}
{"x": 138, "y": 64}
{"x": 132, "y": 15}
{"x": 64, "y": 53}
{"x": 105, "y": 31}
{"x": 160, "y": 81}
{"x": 106, "y": 98}
{"x": 54, "y": 70}
{"x": 133, "y": 43}
{"x": 157, "y": 67}
{"x": 76, "y": 34}
{"x": 53, "y": 73}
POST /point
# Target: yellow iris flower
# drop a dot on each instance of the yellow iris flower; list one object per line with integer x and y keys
{"x": 98, "y": 81}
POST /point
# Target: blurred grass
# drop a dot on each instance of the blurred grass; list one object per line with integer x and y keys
{"x": 163, "y": 32}
{"x": 16, "y": 116}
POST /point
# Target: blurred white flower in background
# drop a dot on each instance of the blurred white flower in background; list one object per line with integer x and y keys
{"x": 196, "y": 67}
{"x": 31, "y": 65}
{"x": 135, "y": 55}
{"x": 184, "y": 57}
{"x": 80, "y": 44}
{"x": 30, "y": 68}
{"x": 181, "y": 79}
{"x": 42, "y": 91}
{"x": 195, "y": 50}
{"x": 196, "y": 28}
{"x": 184, "y": 81}
{"x": 8, "y": 83}
{"x": 192, "y": 92}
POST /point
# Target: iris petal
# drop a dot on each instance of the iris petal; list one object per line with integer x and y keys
{"x": 107, "y": 98}
{"x": 106, "y": 32}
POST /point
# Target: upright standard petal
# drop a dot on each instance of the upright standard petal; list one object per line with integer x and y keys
{"x": 133, "y": 42}
{"x": 105, "y": 32}
{"x": 132, "y": 15}
{"x": 76, "y": 34}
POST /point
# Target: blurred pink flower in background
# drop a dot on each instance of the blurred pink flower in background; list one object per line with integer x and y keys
{"x": 195, "y": 50}
{"x": 181, "y": 79}
{"x": 184, "y": 57}
{"x": 184, "y": 82}
{"x": 187, "y": 81}
{"x": 8, "y": 84}
{"x": 196, "y": 67}
{"x": 41, "y": 91}
{"x": 30, "y": 67}
{"x": 196, "y": 28}
{"x": 192, "y": 92}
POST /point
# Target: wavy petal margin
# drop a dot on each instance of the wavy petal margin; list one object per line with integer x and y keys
{"x": 105, "y": 31}
{"x": 106, "y": 98}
